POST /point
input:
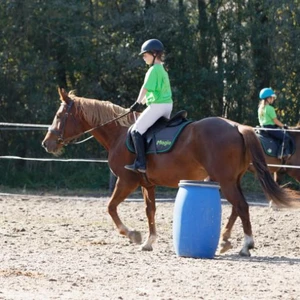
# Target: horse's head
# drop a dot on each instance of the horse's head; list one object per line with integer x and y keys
{"x": 65, "y": 126}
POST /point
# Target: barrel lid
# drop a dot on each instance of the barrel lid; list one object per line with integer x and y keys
{"x": 212, "y": 184}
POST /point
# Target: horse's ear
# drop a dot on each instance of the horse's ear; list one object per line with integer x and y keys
{"x": 63, "y": 94}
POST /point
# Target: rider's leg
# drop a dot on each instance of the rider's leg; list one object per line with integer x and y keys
{"x": 148, "y": 117}
{"x": 139, "y": 164}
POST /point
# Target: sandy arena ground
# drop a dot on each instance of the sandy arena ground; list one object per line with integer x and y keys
{"x": 68, "y": 248}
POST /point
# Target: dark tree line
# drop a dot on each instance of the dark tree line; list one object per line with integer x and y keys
{"x": 219, "y": 55}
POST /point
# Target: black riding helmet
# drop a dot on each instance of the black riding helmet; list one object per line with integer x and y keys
{"x": 151, "y": 46}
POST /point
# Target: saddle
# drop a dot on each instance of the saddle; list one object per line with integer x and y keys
{"x": 272, "y": 146}
{"x": 162, "y": 135}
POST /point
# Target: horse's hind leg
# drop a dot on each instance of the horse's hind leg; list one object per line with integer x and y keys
{"x": 119, "y": 194}
{"x": 226, "y": 232}
{"x": 271, "y": 204}
{"x": 149, "y": 198}
{"x": 234, "y": 195}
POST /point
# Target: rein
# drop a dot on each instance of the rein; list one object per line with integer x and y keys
{"x": 71, "y": 140}
{"x": 98, "y": 126}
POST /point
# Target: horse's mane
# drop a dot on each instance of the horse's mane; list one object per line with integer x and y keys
{"x": 97, "y": 112}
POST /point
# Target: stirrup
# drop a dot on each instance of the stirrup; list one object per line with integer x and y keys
{"x": 135, "y": 169}
{"x": 131, "y": 168}
{"x": 141, "y": 170}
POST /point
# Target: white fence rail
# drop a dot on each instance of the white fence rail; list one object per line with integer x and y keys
{"x": 54, "y": 159}
{"x": 18, "y": 126}
{"x": 21, "y": 126}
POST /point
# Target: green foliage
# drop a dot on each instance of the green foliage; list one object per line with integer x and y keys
{"x": 48, "y": 176}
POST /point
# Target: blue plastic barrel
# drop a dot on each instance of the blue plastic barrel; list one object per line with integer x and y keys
{"x": 197, "y": 219}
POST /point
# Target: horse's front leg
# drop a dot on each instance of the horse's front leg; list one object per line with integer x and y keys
{"x": 119, "y": 195}
{"x": 149, "y": 198}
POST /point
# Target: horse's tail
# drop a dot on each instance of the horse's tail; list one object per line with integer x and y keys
{"x": 270, "y": 187}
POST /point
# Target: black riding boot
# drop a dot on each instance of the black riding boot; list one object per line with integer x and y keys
{"x": 139, "y": 164}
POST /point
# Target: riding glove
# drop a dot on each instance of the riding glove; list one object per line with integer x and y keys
{"x": 134, "y": 106}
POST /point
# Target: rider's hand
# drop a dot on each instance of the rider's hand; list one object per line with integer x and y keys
{"x": 285, "y": 126}
{"x": 134, "y": 106}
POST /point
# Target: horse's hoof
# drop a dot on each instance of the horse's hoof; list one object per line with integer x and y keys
{"x": 273, "y": 206}
{"x": 135, "y": 237}
{"x": 245, "y": 253}
{"x": 225, "y": 246}
{"x": 146, "y": 248}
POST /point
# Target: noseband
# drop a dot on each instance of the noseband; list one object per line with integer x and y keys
{"x": 60, "y": 132}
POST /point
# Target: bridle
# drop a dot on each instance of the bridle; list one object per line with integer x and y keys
{"x": 60, "y": 132}
{"x": 72, "y": 140}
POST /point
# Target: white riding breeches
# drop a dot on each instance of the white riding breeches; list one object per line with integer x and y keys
{"x": 150, "y": 115}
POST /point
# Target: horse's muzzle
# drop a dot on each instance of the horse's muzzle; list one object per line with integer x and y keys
{"x": 44, "y": 145}
{"x": 49, "y": 146}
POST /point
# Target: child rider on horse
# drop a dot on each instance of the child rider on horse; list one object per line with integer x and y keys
{"x": 156, "y": 94}
{"x": 268, "y": 119}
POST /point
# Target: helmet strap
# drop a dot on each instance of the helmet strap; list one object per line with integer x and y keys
{"x": 154, "y": 57}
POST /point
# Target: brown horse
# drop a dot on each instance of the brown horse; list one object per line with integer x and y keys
{"x": 275, "y": 164}
{"x": 213, "y": 147}
{"x": 290, "y": 166}
{"x": 293, "y": 161}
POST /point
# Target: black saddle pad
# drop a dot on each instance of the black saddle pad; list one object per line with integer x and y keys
{"x": 161, "y": 137}
{"x": 272, "y": 146}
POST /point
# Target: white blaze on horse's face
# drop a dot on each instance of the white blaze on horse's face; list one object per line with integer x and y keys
{"x": 55, "y": 131}
{"x": 56, "y": 124}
